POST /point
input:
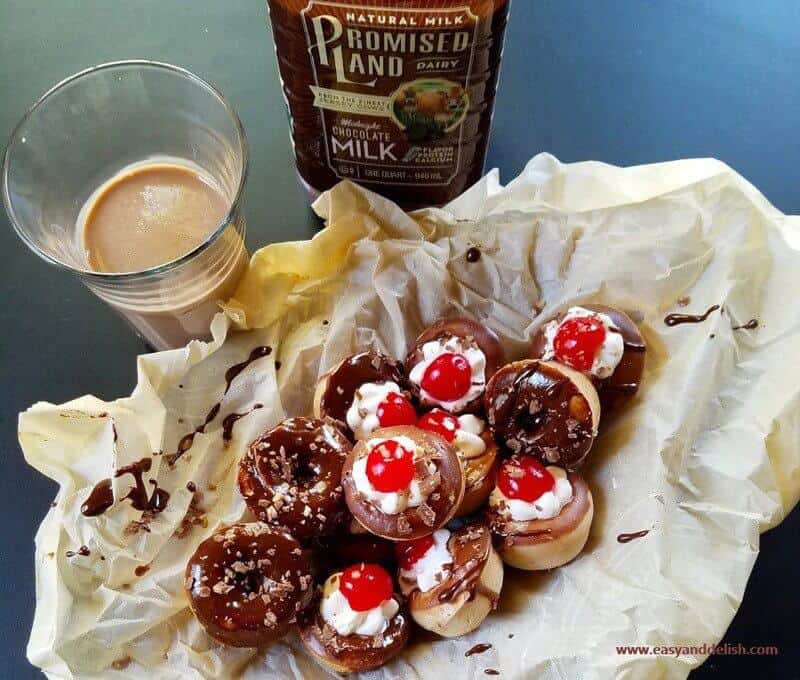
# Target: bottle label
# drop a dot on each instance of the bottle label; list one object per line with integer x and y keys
{"x": 391, "y": 87}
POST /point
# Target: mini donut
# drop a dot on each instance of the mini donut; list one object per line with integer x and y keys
{"x": 364, "y": 392}
{"x": 452, "y": 581}
{"x": 246, "y": 584}
{"x": 403, "y": 482}
{"x": 291, "y": 476}
{"x": 359, "y": 624}
{"x": 451, "y": 362}
{"x": 540, "y": 517}
{"x": 543, "y": 409}
{"x": 612, "y": 357}
{"x": 476, "y": 449}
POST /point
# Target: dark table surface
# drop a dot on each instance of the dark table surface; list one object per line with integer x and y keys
{"x": 622, "y": 81}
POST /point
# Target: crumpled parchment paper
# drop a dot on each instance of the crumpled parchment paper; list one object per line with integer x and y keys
{"x": 706, "y": 457}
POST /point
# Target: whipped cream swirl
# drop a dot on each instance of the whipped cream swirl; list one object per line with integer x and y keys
{"x": 434, "y": 566}
{"x": 390, "y": 502}
{"x": 362, "y": 416}
{"x": 547, "y": 506}
{"x": 337, "y": 612}
{"x": 610, "y": 353}
{"x": 452, "y": 345}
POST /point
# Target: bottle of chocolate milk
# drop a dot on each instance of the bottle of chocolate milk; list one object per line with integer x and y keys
{"x": 396, "y": 95}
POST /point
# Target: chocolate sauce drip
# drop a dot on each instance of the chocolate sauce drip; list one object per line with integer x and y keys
{"x": 473, "y": 255}
{"x": 749, "y": 326}
{"x": 478, "y": 649}
{"x": 83, "y": 551}
{"x": 158, "y": 499}
{"x": 138, "y": 496}
{"x": 100, "y": 499}
{"x": 188, "y": 439}
{"x": 230, "y": 420}
{"x": 236, "y": 369}
{"x": 491, "y": 671}
{"x": 142, "y": 569}
{"x": 191, "y": 486}
{"x": 463, "y": 580}
{"x": 627, "y": 538}
{"x": 676, "y": 319}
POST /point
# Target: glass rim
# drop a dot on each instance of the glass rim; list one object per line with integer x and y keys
{"x": 14, "y": 139}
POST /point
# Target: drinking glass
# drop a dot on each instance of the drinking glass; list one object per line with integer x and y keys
{"x": 86, "y": 129}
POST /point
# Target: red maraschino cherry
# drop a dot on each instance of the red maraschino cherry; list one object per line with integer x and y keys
{"x": 441, "y": 422}
{"x": 390, "y": 466}
{"x": 411, "y": 552}
{"x": 396, "y": 410}
{"x": 578, "y": 340}
{"x": 524, "y": 478}
{"x": 448, "y": 377}
{"x": 365, "y": 586}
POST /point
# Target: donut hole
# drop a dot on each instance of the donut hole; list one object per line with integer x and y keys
{"x": 305, "y": 471}
{"x": 249, "y": 582}
{"x": 530, "y": 419}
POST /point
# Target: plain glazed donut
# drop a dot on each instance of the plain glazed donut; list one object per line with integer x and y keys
{"x": 246, "y": 584}
{"x": 291, "y": 476}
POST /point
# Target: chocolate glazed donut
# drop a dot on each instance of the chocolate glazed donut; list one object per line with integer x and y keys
{"x": 336, "y": 389}
{"x": 543, "y": 409}
{"x": 291, "y": 476}
{"x": 471, "y": 332}
{"x": 354, "y": 653}
{"x": 246, "y": 584}
{"x": 442, "y": 502}
{"x": 621, "y": 386}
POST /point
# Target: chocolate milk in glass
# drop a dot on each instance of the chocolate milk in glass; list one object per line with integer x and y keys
{"x": 153, "y": 213}
{"x": 395, "y": 95}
